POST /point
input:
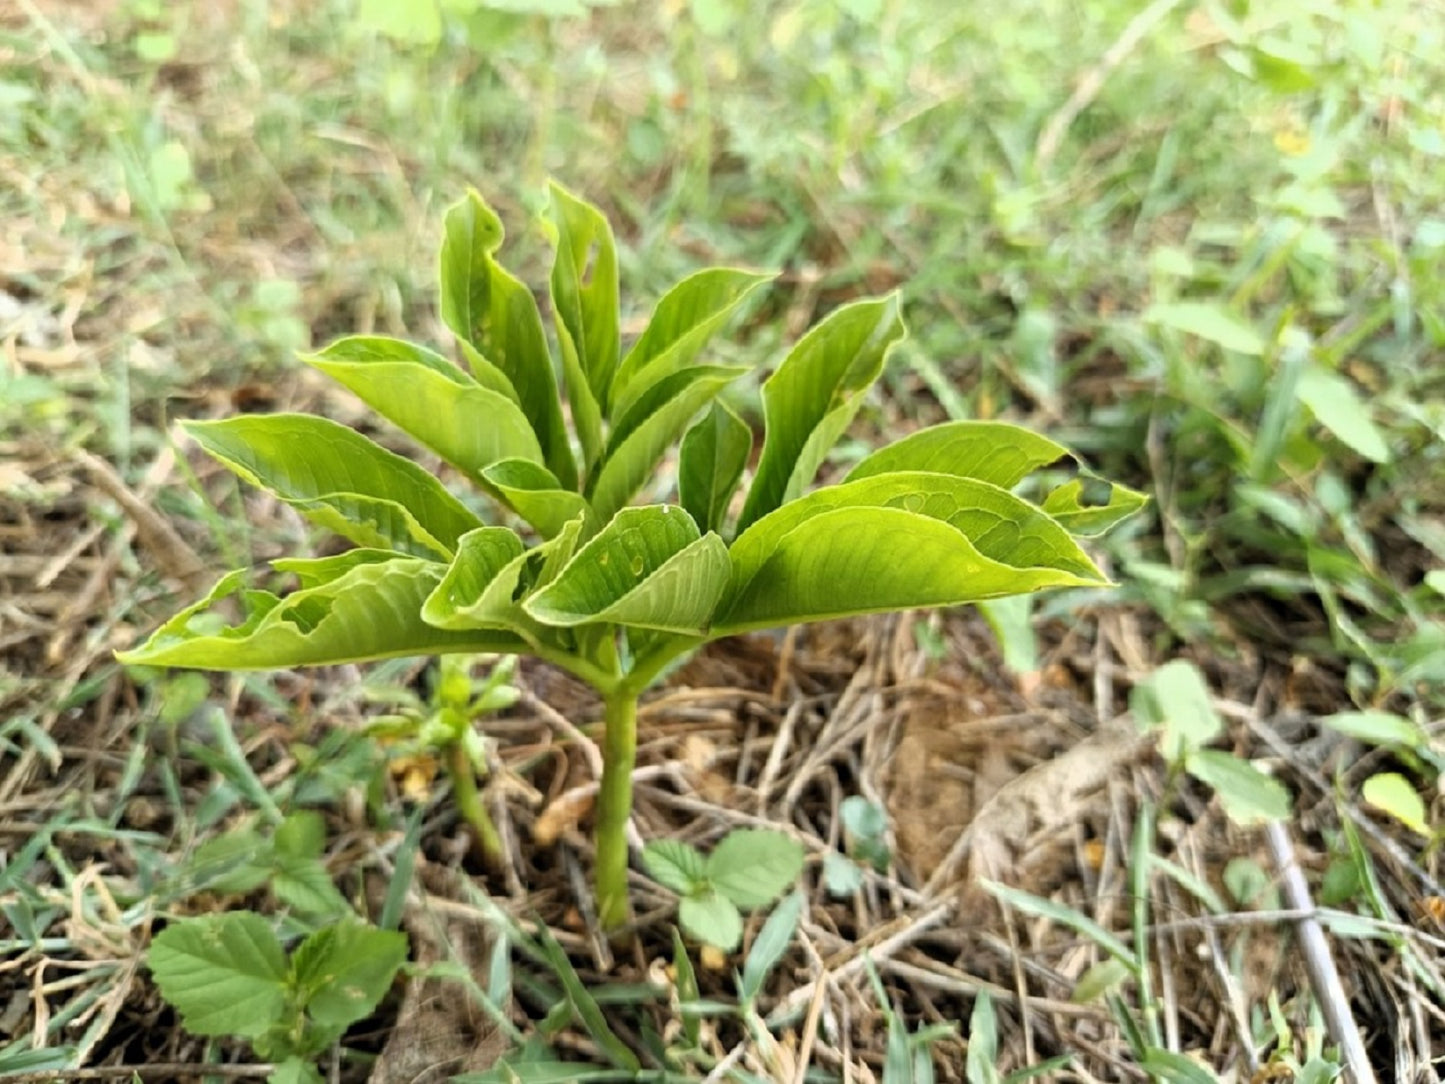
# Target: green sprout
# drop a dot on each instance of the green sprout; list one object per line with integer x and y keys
{"x": 577, "y": 575}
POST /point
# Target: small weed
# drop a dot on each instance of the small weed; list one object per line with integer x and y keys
{"x": 229, "y": 975}
{"x": 748, "y": 869}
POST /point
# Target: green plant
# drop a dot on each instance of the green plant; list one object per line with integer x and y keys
{"x": 1175, "y": 700}
{"x": 616, "y": 594}
{"x": 865, "y": 837}
{"x": 287, "y": 861}
{"x": 442, "y": 727}
{"x": 749, "y": 868}
{"x": 229, "y": 975}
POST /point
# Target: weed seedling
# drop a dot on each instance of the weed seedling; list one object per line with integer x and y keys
{"x": 748, "y": 869}
{"x": 441, "y": 729}
{"x": 229, "y": 975}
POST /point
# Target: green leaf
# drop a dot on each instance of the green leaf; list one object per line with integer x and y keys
{"x": 488, "y": 307}
{"x": 1335, "y": 404}
{"x": 841, "y": 875}
{"x": 584, "y": 1006}
{"x": 534, "y": 493}
{"x": 1011, "y": 620}
{"x": 1102, "y": 978}
{"x": 585, "y": 303}
{"x": 225, "y": 974}
{"x": 478, "y": 593}
{"x": 433, "y": 401}
{"x": 685, "y": 319}
{"x": 892, "y": 542}
{"x": 1210, "y": 322}
{"x": 710, "y": 465}
{"x": 1175, "y": 699}
{"x": 299, "y": 877}
{"x": 687, "y": 990}
{"x": 1029, "y": 904}
{"x": 372, "y": 611}
{"x": 345, "y": 969}
{"x": 1174, "y": 1068}
{"x": 1377, "y": 728}
{"x": 416, "y": 22}
{"x": 305, "y": 885}
{"x": 1246, "y": 793}
{"x": 472, "y": 592}
{"x": 302, "y": 834}
{"x": 754, "y": 866}
{"x": 678, "y": 865}
{"x": 713, "y": 919}
{"x": 649, "y": 428}
{"x": 647, "y": 568}
{"x": 295, "y": 1070}
{"x": 981, "y": 1061}
{"x": 813, "y": 396}
{"x": 1397, "y": 796}
{"x": 863, "y": 821}
{"x": 1067, "y": 508}
{"x": 993, "y": 452}
{"x": 771, "y": 944}
{"x": 340, "y": 480}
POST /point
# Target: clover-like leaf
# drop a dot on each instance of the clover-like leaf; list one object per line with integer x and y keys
{"x": 338, "y": 478}
{"x": 712, "y": 918}
{"x": 648, "y": 568}
{"x": 813, "y": 396}
{"x": 754, "y": 866}
{"x": 679, "y": 866}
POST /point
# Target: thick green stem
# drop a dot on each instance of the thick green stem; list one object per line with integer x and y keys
{"x": 470, "y": 805}
{"x": 614, "y": 807}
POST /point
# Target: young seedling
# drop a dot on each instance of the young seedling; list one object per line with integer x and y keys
{"x": 228, "y": 975}
{"x": 442, "y": 727}
{"x": 865, "y": 837}
{"x": 613, "y": 593}
{"x": 748, "y": 869}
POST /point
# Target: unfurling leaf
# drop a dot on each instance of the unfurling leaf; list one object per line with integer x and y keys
{"x": 814, "y": 394}
{"x": 711, "y": 461}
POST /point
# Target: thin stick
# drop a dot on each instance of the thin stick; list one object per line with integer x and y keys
{"x": 1319, "y": 963}
{"x": 882, "y": 948}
